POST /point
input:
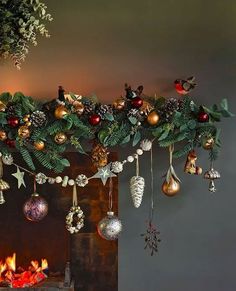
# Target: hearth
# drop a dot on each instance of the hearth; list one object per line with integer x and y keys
{"x": 35, "y": 276}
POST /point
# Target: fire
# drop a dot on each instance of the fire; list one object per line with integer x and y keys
{"x": 20, "y": 278}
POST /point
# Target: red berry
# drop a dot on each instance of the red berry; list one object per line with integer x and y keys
{"x": 203, "y": 116}
{"x": 13, "y": 121}
{"x": 10, "y": 142}
{"x": 94, "y": 119}
{"x": 137, "y": 102}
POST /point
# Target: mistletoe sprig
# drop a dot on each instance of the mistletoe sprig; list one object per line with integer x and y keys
{"x": 44, "y": 131}
{"x": 21, "y": 22}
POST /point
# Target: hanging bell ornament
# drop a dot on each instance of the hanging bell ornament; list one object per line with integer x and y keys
{"x": 190, "y": 165}
{"x": 212, "y": 175}
{"x": 23, "y": 131}
{"x": 60, "y": 138}
{"x": 3, "y": 187}
{"x": 171, "y": 186}
{"x": 35, "y": 208}
{"x": 109, "y": 227}
{"x": 60, "y": 112}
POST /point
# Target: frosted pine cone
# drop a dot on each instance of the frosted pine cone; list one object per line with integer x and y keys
{"x": 116, "y": 167}
{"x": 137, "y": 184}
{"x": 38, "y": 118}
{"x": 81, "y": 180}
{"x": 146, "y": 145}
{"x": 103, "y": 109}
{"x": 7, "y": 159}
{"x": 41, "y": 178}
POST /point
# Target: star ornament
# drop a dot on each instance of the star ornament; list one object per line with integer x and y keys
{"x": 20, "y": 177}
{"x": 104, "y": 174}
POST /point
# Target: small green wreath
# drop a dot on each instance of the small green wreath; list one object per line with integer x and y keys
{"x": 74, "y": 219}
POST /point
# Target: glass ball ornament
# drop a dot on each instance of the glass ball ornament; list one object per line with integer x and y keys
{"x": 109, "y": 227}
{"x": 35, "y": 208}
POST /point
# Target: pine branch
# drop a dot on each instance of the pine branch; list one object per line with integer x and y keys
{"x": 27, "y": 157}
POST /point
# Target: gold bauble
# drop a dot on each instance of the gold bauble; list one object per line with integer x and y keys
{"x": 60, "y": 138}
{"x": 2, "y": 107}
{"x": 170, "y": 188}
{"x": 26, "y": 118}
{"x": 39, "y": 145}
{"x": 23, "y": 131}
{"x": 60, "y": 112}
{"x": 119, "y": 104}
{"x": 208, "y": 144}
{"x": 79, "y": 108}
{"x": 3, "y": 135}
{"x": 153, "y": 118}
{"x": 28, "y": 123}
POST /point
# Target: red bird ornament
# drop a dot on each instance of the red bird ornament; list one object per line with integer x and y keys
{"x": 183, "y": 87}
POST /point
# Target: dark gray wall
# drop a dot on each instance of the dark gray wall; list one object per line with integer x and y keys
{"x": 96, "y": 46}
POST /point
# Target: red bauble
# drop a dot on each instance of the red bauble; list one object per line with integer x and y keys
{"x": 137, "y": 102}
{"x": 13, "y": 121}
{"x": 94, "y": 119}
{"x": 10, "y": 142}
{"x": 203, "y": 116}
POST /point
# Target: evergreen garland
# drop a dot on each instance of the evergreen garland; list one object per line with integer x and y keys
{"x": 116, "y": 127}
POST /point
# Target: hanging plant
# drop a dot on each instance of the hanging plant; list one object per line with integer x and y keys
{"x": 21, "y": 22}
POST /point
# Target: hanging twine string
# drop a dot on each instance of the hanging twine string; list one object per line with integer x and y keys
{"x": 137, "y": 166}
{"x": 35, "y": 185}
{"x": 24, "y": 169}
{"x": 1, "y": 168}
{"x": 171, "y": 150}
{"x": 110, "y": 206}
{"x": 75, "y": 198}
{"x": 152, "y": 188}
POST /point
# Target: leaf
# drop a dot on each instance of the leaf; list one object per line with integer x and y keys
{"x": 27, "y": 157}
{"x": 224, "y": 104}
{"x": 133, "y": 120}
{"x": 65, "y": 162}
{"x": 183, "y": 151}
{"x": 126, "y": 139}
{"x": 136, "y": 138}
{"x": 192, "y": 124}
{"x": 109, "y": 116}
{"x": 164, "y": 134}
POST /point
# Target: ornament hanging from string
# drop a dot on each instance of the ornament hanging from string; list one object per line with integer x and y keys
{"x": 212, "y": 175}
{"x": 75, "y": 217}
{"x": 3, "y": 184}
{"x": 137, "y": 184}
{"x": 110, "y": 226}
{"x": 152, "y": 234}
{"x": 36, "y": 207}
{"x": 171, "y": 185}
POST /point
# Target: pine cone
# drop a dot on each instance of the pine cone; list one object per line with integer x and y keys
{"x": 89, "y": 107}
{"x": 103, "y": 109}
{"x": 99, "y": 156}
{"x": 38, "y": 118}
{"x": 137, "y": 184}
{"x": 10, "y": 109}
{"x": 134, "y": 113}
{"x": 170, "y": 107}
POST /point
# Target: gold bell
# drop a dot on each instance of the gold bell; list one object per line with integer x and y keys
{"x": 3, "y": 186}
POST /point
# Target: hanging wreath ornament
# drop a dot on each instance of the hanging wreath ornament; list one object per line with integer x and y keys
{"x": 75, "y": 217}
{"x": 21, "y": 22}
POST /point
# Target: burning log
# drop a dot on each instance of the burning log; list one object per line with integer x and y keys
{"x": 35, "y": 274}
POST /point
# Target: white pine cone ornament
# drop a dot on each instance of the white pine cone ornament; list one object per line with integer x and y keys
{"x": 116, "y": 167}
{"x": 137, "y": 184}
{"x": 41, "y": 178}
{"x": 7, "y": 159}
{"x": 81, "y": 180}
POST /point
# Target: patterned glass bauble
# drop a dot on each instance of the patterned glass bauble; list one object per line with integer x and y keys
{"x": 109, "y": 227}
{"x": 35, "y": 208}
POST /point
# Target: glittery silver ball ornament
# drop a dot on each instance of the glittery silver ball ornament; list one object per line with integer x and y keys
{"x": 109, "y": 227}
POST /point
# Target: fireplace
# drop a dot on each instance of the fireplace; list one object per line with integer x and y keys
{"x": 83, "y": 262}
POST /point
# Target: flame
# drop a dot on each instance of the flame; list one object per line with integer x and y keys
{"x": 22, "y": 278}
{"x": 11, "y": 263}
{"x": 35, "y": 264}
{"x": 44, "y": 264}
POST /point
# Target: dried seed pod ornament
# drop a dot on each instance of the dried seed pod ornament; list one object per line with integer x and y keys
{"x": 171, "y": 185}
{"x": 137, "y": 184}
{"x": 212, "y": 175}
{"x": 99, "y": 155}
{"x": 190, "y": 165}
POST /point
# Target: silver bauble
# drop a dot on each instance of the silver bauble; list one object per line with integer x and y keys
{"x": 109, "y": 227}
